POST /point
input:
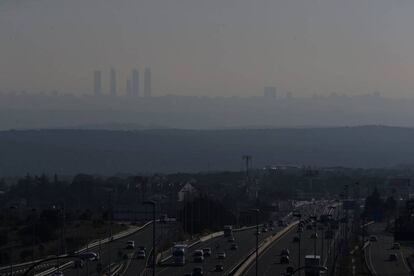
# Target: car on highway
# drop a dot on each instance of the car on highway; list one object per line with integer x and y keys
{"x": 58, "y": 273}
{"x": 300, "y": 230}
{"x": 141, "y": 254}
{"x": 142, "y": 248}
{"x": 230, "y": 239}
{"x": 285, "y": 252}
{"x": 79, "y": 263}
{"x": 219, "y": 268}
{"x": 392, "y": 257}
{"x": 234, "y": 246}
{"x": 281, "y": 223}
{"x": 130, "y": 245}
{"x": 198, "y": 271}
{"x": 207, "y": 252}
{"x": 89, "y": 256}
{"x": 221, "y": 255}
{"x": 296, "y": 239}
{"x": 289, "y": 270}
{"x": 373, "y": 239}
{"x": 198, "y": 256}
{"x": 284, "y": 260}
{"x": 314, "y": 236}
{"x": 396, "y": 245}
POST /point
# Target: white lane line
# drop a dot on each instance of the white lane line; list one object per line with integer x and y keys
{"x": 370, "y": 261}
{"x": 403, "y": 260}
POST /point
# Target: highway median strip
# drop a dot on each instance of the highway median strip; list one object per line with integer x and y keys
{"x": 241, "y": 267}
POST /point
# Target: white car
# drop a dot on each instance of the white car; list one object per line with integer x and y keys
{"x": 221, "y": 255}
{"x": 130, "y": 245}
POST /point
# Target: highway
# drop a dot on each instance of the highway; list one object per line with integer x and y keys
{"x": 246, "y": 241}
{"x": 377, "y": 254}
{"x": 269, "y": 260}
{"x": 116, "y": 252}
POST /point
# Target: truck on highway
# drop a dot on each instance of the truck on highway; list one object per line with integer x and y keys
{"x": 228, "y": 230}
{"x": 178, "y": 253}
{"x": 312, "y": 265}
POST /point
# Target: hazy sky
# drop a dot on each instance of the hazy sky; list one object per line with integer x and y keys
{"x": 215, "y": 47}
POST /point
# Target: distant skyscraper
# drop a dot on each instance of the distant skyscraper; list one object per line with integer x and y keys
{"x": 269, "y": 92}
{"x": 147, "y": 82}
{"x": 128, "y": 87}
{"x": 135, "y": 82}
{"x": 112, "y": 82}
{"x": 97, "y": 83}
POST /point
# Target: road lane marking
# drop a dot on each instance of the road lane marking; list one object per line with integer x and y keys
{"x": 370, "y": 260}
{"x": 403, "y": 260}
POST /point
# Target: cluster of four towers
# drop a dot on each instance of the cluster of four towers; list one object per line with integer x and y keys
{"x": 132, "y": 83}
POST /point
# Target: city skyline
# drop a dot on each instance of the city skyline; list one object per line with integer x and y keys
{"x": 215, "y": 48}
{"x": 132, "y": 83}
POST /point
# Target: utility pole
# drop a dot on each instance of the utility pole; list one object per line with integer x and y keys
{"x": 300, "y": 238}
{"x": 248, "y": 160}
{"x": 256, "y": 211}
{"x": 154, "y": 253}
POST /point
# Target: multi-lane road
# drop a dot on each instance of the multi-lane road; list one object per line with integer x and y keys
{"x": 115, "y": 252}
{"x": 246, "y": 241}
{"x": 378, "y": 253}
{"x": 269, "y": 261}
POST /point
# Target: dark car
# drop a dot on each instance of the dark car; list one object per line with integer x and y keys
{"x": 296, "y": 239}
{"x": 219, "y": 268}
{"x": 198, "y": 271}
{"x": 234, "y": 246}
{"x": 79, "y": 263}
{"x": 207, "y": 252}
{"x": 289, "y": 270}
{"x": 393, "y": 257}
{"x": 285, "y": 252}
{"x": 284, "y": 260}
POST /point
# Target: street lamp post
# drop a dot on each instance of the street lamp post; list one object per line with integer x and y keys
{"x": 152, "y": 203}
{"x": 256, "y": 211}
{"x": 299, "y": 216}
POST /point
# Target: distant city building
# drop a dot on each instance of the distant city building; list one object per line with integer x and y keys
{"x": 97, "y": 82}
{"x": 135, "y": 82}
{"x": 269, "y": 92}
{"x": 128, "y": 87}
{"x": 147, "y": 82}
{"x": 400, "y": 188}
{"x": 112, "y": 82}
